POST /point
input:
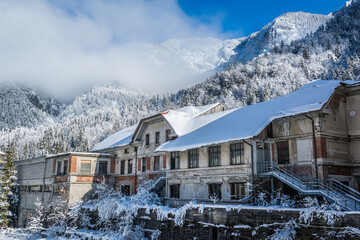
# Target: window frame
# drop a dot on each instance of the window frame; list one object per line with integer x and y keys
{"x": 174, "y": 191}
{"x": 212, "y": 152}
{"x": 241, "y": 190}
{"x": 175, "y": 160}
{"x": 280, "y": 148}
{"x": 215, "y": 188}
{"x": 81, "y": 167}
{"x": 99, "y": 169}
{"x": 147, "y": 139}
{"x": 143, "y": 164}
{"x": 167, "y": 134}
{"x": 122, "y": 167}
{"x": 193, "y": 156}
{"x": 66, "y": 167}
{"x": 157, "y": 137}
{"x": 59, "y": 167}
{"x": 130, "y": 166}
{"x": 237, "y": 152}
{"x": 157, "y": 159}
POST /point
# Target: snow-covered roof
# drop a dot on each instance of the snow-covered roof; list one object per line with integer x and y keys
{"x": 2, "y": 154}
{"x": 117, "y": 139}
{"x": 187, "y": 119}
{"x": 249, "y": 121}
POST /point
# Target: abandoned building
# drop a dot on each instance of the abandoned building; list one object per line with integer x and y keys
{"x": 308, "y": 140}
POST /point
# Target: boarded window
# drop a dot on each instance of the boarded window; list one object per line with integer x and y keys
{"x": 103, "y": 167}
{"x": 130, "y": 166}
{"x": 175, "y": 191}
{"x": 85, "y": 166}
{"x": 122, "y": 167}
{"x": 156, "y": 163}
{"x": 283, "y": 152}
{"x": 125, "y": 189}
{"x": 143, "y": 169}
{"x": 66, "y": 166}
{"x": 214, "y": 156}
{"x": 237, "y": 190}
{"x": 237, "y": 153}
{"x": 215, "y": 191}
{"x": 175, "y": 160}
{"x": 147, "y": 139}
{"x": 193, "y": 158}
{"x": 157, "y": 137}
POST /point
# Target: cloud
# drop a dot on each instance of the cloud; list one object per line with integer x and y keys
{"x": 63, "y": 47}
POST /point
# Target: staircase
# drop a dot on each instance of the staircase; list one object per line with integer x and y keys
{"x": 334, "y": 191}
{"x": 159, "y": 182}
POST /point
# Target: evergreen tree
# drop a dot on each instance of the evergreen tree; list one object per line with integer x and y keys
{"x": 8, "y": 197}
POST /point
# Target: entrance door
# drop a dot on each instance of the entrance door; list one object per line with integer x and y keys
{"x": 263, "y": 156}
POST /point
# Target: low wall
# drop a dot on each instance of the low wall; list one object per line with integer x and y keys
{"x": 247, "y": 223}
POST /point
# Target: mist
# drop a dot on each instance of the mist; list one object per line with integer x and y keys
{"x": 64, "y": 47}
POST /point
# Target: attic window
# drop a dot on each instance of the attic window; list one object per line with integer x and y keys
{"x": 168, "y": 132}
{"x": 157, "y": 137}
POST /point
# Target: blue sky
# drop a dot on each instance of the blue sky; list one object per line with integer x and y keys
{"x": 242, "y": 18}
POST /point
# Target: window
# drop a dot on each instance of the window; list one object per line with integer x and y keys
{"x": 214, "y": 156}
{"x": 36, "y": 188}
{"x": 130, "y": 166}
{"x": 103, "y": 167}
{"x": 125, "y": 189}
{"x": 157, "y": 137}
{"x": 85, "y": 166}
{"x": 167, "y": 133}
{"x": 126, "y": 150}
{"x": 122, "y": 167}
{"x": 156, "y": 163}
{"x": 175, "y": 191}
{"x": 237, "y": 153}
{"x": 143, "y": 165}
{"x": 237, "y": 190}
{"x": 283, "y": 152}
{"x": 47, "y": 188}
{"x": 215, "y": 191}
{"x": 175, "y": 160}
{"x": 59, "y": 167}
{"x": 194, "y": 158}
{"x": 23, "y": 188}
{"x": 147, "y": 139}
{"x": 66, "y": 164}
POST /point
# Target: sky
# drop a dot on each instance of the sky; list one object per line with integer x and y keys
{"x": 65, "y": 46}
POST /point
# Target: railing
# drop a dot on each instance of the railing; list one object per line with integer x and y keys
{"x": 331, "y": 189}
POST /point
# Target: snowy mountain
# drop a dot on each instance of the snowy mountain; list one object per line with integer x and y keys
{"x": 281, "y": 31}
{"x": 23, "y": 106}
{"x": 196, "y": 55}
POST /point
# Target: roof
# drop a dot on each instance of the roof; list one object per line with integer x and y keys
{"x": 1, "y": 153}
{"x": 249, "y": 121}
{"x": 187, "y": 119}
{"x": 118, "y": 139}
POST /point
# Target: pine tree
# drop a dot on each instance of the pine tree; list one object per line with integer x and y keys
{"x": 36, "y": 222}
{"x": 8, "y": 197}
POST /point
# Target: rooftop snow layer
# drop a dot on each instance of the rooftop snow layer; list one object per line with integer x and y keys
{"x": 187, "y": 119}
{"x": 249, "y": 121}
{"x": 117, "y": 139}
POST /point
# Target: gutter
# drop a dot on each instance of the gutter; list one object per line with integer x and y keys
{"x": 314, "y": 145}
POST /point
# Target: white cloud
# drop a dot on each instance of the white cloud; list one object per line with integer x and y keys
{"x": 65, "y": 46}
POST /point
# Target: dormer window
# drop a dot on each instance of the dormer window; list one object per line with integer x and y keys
{"x": 147, "y": 139}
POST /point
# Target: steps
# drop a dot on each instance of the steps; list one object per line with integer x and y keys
{"x": 332, "y": 190}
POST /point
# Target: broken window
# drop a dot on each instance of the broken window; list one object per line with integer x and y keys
{"x": 85, "y": 166}
{"x": 66, "y": 164}
{"x": 237, "y": 190}
{"x": 156, "y": 163}
{"x": 215, "y": 191}
{"x": 237, "y": 153}
{"x": 125, "y": 189}
{"x": 157, "y": 137}
{"x": 167, "y": 134}
{"x": 193, "y": 158}
{"x": 103, "y": 167}
{"x": 122, "y": 167}
{"x": 283, "y": 152}
{"x": 214, "y": 156}
{"x": 59, "y": 167}
{"x": 175, "y": 160}
{"x": 175, "y": 191}
{"x": 147, "y": 139}
{"x": 143, "y": 165}
{"x": 130, "y": 166}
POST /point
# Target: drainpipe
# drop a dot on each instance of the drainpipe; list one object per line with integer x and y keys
{"x": 136, "y": 163}
{"x": 314, "y": 147}
{"x": 252, "y": 161}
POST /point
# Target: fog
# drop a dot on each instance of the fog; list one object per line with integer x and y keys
{"x": 64, "y": 47}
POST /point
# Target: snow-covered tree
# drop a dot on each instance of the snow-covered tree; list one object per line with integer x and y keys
{"x": 36, "y": 223}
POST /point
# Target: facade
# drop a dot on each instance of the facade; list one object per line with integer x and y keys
{"x": 209, "y": 153}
